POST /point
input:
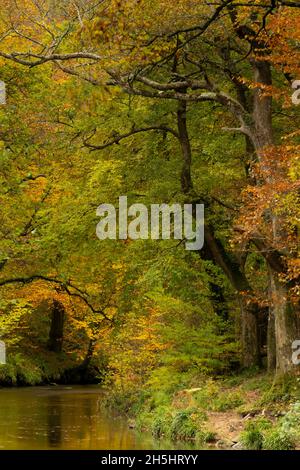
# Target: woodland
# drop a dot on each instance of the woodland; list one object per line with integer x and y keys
{"x": 189, "y": 102}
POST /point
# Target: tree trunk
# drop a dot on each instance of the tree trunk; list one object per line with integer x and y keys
{"x": 250, "y": 335}
{"x": 186, "y": 179}
{"x": 285, "y": 320}
{"x": 262, "y": 106}
{"x": 218, "y": 301}
{"x": 56, "y": 329}
{"x": 271, "y": 342}
{"x": 286, "y": 330}
{"x": 214, "y": 250}
{"x": 89, "y": 355}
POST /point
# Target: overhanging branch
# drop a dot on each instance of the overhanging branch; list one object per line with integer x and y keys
{"x": 66, "y": 286}
{"x": 27, "y": 58}
{"x": 120, "y": 137}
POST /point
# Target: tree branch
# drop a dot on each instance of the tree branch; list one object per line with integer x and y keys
{"x": 271, "y": 254}
{"x": 120, "y": 137}
{"x": 193, "y": 84}
{"x": 206, "y": 25}
{"x": 66, "y": 286}
{"x": 20, "y": 57}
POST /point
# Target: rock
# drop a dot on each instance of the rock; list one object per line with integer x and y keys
{"x": 223, "y": 444}
{"x": 220, "y": 444}
{"x": 191, "y": 390}
{"x": 237, "y": 446}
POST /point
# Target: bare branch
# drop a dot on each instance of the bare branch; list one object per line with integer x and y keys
{"x": 206, "y": 25}
{"x": 193, "y": 84}
{"x": 78, "y": 75}
{"x": 120, "y": 137}
{"x": 271, "y": 254}
{"x": 22, "y": 57}
{"x": 32, "y": 178}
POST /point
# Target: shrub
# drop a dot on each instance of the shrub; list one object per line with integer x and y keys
{"x": 281, "y": 391}
{"x": 278, "y": 440}
{"x": 185, "y": 424}
{"x": 290, "y": 423}
{"x": 8, "y": 375}
{"x": 161, "y": 423}
{"x": 227, "y": 401}
{"x": 20, "y": 370}
{"x": 204, "y": 436}
{"x": 252, "y": 437}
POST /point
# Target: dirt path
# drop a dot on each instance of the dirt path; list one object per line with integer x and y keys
{"x": 227, "y": 426}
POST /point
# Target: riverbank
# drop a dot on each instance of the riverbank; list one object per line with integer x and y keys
{"x": 46, "y": 368}
{"x": 249, "y": 410}
{"x": 245, "y": 411}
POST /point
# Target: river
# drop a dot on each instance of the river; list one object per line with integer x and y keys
{"x": 62, "y": 417}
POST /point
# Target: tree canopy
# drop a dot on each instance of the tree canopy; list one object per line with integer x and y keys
{"x": 165, "y": 102}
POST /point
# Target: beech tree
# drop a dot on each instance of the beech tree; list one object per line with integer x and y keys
{"x": 220, "y": 57}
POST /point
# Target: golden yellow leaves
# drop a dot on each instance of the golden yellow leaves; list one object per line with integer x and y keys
{"x": 134, "y": 349}
{"x": 35, "y": 188}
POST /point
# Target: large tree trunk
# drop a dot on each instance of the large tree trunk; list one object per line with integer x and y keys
{"x": 250, "y": 334}
{"x": 214, "y": 250}
{"x": 285, "y": 321}
{"x": 286, "y": 330}
{"x": 57, "y": 326}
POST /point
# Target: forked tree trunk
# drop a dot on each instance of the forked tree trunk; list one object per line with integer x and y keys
{"x": 214, "y": 250}
{"x": 285, "y": 320}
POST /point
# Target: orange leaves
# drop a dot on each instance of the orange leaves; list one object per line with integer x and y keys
{"x": 294, "y": 273}
{"x": 38, "y": 292}
{"x": 275, "y": 197}
{"x": 284, "y": 35}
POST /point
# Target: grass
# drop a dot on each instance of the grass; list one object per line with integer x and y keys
{"x": 277, "y": 440}
{"x": 189, "y": 411}
{"x": 213, "y": 397}
{"x": 186, "y": 424}
{"x": 261, "y": 434}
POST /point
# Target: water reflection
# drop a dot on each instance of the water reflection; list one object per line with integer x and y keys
{"x": 54, "y": 412}
{"x": 65, "y": 418}
{"x": 62, "y": 418}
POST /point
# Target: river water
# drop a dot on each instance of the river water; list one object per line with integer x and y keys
{"x": 62, "y": 417}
